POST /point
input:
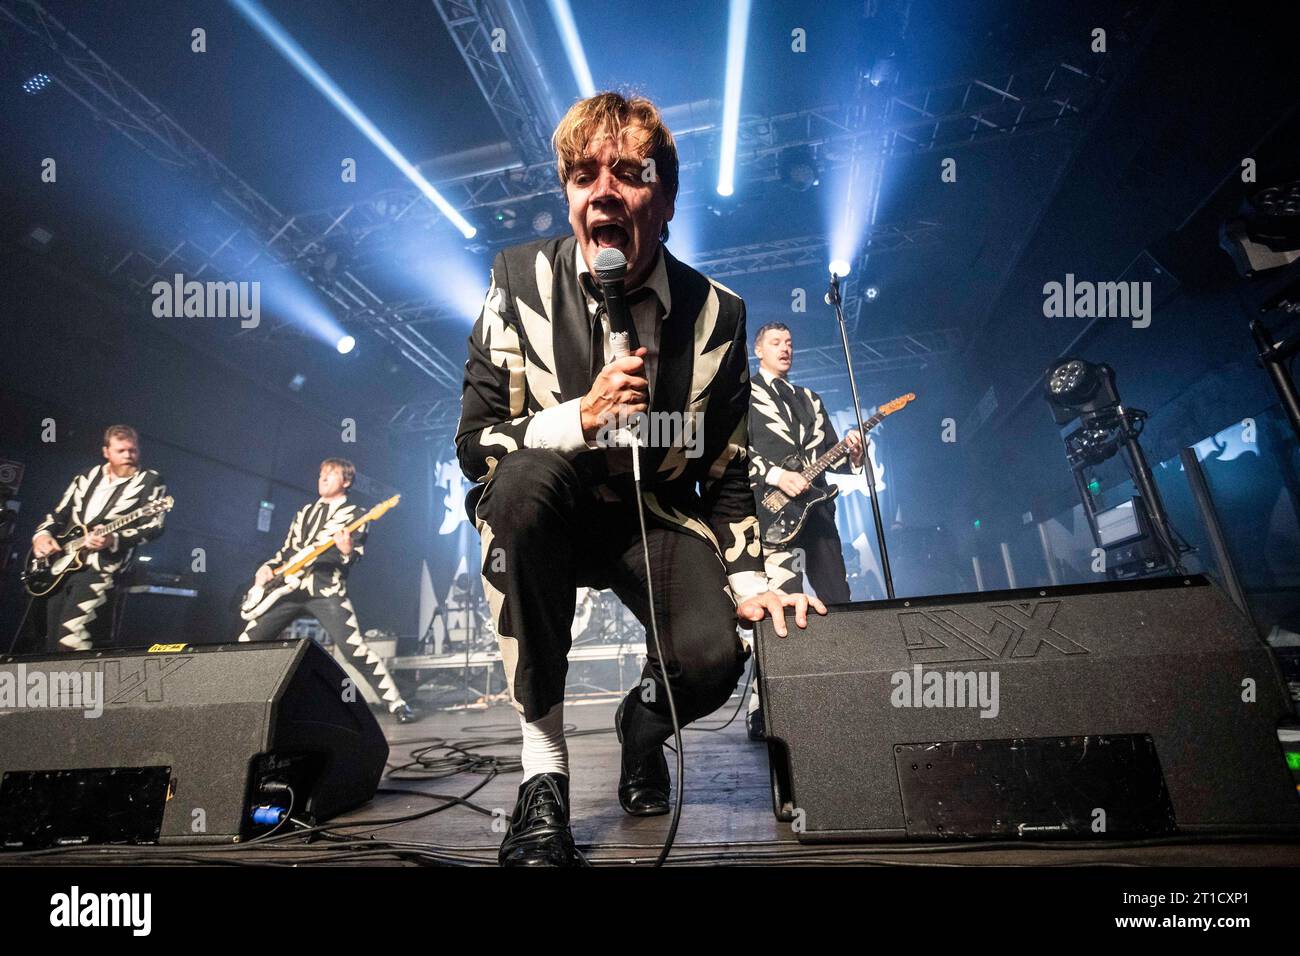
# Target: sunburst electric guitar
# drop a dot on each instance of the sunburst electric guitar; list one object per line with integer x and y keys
{"x": 42, "y": 575}
{"x": 792, "y": 513}
{"x": 288, "y": 576}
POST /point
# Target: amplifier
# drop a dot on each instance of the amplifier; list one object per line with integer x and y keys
{"x": 1114, "y": 710}
{"x": 180, "y": 743}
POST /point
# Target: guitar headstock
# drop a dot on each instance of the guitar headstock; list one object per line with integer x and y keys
{"x": 383, "y": 507}
{"x": 890, "y": 407}
{"x": 158, "y": 505}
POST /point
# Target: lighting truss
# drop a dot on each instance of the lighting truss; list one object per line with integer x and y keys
{"x": 514, "y": 86}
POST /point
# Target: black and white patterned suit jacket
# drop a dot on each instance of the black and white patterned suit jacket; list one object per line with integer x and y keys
{"x": 529, "y": 351}
{"x": 145, "y": 485}
{"x": 315, "y": 523}
{"x": 773, "y": 436}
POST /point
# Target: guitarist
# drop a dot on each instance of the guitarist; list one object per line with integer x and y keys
{"x": 322, "y": 591}
{"x": 787, "y": 420}
{"x": 78, "y": 615}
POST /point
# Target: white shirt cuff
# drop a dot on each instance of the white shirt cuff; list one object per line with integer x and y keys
{"x": 558, "y": 428}
{"x": 774, "y": 476}
{"x": 747, "y": 584}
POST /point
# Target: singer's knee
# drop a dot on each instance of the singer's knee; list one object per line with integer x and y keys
{"x": 530, "y": 489}
{"x": 711, "y": 669}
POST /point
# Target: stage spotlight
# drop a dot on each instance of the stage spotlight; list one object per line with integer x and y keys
{"x": 346, "y": 344}
{"x": 840, "y": 267}
{"x": 883, "y": 70}
{"x": 297, "y": 382}
{"x": 1265, "y": 234}
{"x": 1072, "y": 382}
{"x": 542, "y": 221}
{"x": 871, "y": 292}
{"x": 798, "y": 169}
{"x": 35, "y": 84}
{"x": 505, "y": 217}
{"x": 1077, "y": 388}
{"x": 1137, "y": 537}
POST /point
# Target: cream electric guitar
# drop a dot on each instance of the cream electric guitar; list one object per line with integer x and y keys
{"x": 288, "y": 576}
{"x": 792, "y": 513}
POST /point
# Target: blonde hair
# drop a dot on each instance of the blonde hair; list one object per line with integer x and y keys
{"x": 610, "y": 114}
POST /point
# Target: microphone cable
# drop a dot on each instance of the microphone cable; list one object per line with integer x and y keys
{"x": 663, "y": 663}
{"x": 610, "y": 268}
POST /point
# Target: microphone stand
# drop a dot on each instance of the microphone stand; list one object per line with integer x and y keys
{"x": 833, "y": 300}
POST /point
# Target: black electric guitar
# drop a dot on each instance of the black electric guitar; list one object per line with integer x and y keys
{"x": 792, "y": 513}
{"x": 42, "y": 575}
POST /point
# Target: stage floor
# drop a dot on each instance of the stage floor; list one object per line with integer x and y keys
{"x": 727, "y": 814}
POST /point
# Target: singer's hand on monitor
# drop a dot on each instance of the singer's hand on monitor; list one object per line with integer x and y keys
{"x": 620, "y": 391}
{"x": 774, "y": 603}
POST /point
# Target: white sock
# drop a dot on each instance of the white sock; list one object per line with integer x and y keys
{"x": 545, "y": 749}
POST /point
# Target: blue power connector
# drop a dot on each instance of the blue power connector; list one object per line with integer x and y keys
{"x": 268, "y": 816}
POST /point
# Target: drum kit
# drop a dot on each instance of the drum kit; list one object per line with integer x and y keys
{"x": 599, "y": 618}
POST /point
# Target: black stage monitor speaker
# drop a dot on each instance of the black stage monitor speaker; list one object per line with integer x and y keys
{"x": 180, "y": 743}
{"x": 1103, "y": 711}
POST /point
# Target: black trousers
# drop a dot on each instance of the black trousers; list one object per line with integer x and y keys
{"x": 79, "y": 615}
{"x": 816, "y": 552}
{"x": 337, "y": 616}
{"x": 544, "y": 535}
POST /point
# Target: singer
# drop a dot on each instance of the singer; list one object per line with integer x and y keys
{"x": 556, "y": 510}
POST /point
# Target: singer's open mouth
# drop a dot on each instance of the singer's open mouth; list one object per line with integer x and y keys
{"x": 610, "y": 235}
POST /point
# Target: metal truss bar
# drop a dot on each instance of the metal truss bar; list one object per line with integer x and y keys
{"x": 475, "y": 27}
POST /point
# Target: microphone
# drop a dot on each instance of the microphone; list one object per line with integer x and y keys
{"x": 832, "y": 296}
{"x": 611, "y": 269}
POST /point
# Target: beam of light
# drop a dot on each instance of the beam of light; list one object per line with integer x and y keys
{"x": 684, "y": 235}
{"x": 840, "y": 267}
{"x": 436, "y": 268}
{"x": 737, "y": 31}
{"x": 852, "y": 198}
{"x": 345, "y": 344}
{"x": 562, "y": 14}
{"x": 287, "y": 294}
{"x": 312, "y": 72}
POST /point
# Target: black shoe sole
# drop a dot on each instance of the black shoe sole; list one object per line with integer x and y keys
{"x": 656, "y": 812}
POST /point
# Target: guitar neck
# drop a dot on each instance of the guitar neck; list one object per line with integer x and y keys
{"x": 123, "y": 521}
{"x": 114, "y": 525}
{"x": 838, "y": 451}
{"x": 320, "y": 549}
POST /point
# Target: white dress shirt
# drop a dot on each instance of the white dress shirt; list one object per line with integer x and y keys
{"x": 99, "y": 497}
{"x": 559, "y": 427}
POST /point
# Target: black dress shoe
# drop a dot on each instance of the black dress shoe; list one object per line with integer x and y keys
{"x": 643, "y": 781}
{"x": 539, "y": 833}
{"x": 754, "y": 725}
{"x": 405, "y": 715}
